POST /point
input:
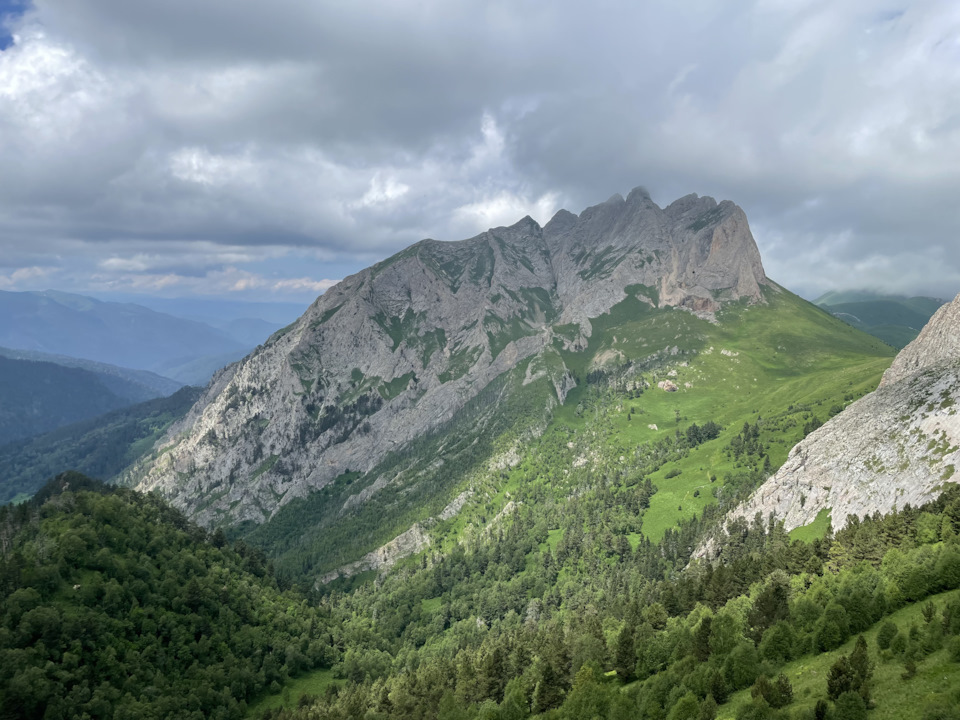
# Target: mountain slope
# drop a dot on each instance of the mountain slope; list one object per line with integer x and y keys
{"x": 100, "y": 447}
{"x": 36, "y": 397}
{"x": 397, "y": 350}
{"x": 116, "y": 333}
{"x": 112, "y": 605}
{"x": 895, "y": 446}
{"x": 133, "y": 385}
{"x": 894, "y": 319}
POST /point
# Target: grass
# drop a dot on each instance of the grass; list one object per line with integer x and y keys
{"x": 784, "y": 354}
{"x": 815, "y": 530}
{"x": 431, "y": 605}
{"x": 895, "y": 698}
{"x": 313, "y": 683}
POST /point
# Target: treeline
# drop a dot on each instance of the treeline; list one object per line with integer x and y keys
{"x": 113, "y": 605}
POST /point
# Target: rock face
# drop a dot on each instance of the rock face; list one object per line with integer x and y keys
{"x": 394, "y": 351}
{"x": 383, "y": 558}
{"x": 895, "y": 446}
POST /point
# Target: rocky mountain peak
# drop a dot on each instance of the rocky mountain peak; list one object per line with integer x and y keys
{"x": 396, "y": 350}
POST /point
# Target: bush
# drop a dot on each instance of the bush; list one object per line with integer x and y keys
{"x": 886, "y": 634}
{"x": 850, "y": 706}
{"x": 898, "y": 645}
{"x": 953, "y": 647}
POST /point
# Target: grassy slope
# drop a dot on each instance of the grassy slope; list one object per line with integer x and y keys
{"x": 312, "y": 683}
{"x": 789, "y": 353}
{"x": 788, "y": 361}
{"x": 793, "y": 361}
{"x": 895, "y": 697}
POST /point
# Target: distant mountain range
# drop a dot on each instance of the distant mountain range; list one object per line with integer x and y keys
{"x": 132, "y": 385}
{"x": 36, "y": 397}
{"x": 895, "y": 319}
{"x": 130, "y": 335}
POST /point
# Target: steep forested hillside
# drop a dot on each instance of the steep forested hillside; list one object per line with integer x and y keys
{"x": 112, "y": 605}
{"x": 100, "y": 447}
{"x": 37, "y": 397}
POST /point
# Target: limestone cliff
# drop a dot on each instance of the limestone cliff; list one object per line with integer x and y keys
{"x": 396, "y": 350}
{"x": 895, "y": 446}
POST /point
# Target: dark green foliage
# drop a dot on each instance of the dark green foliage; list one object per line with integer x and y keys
{"x": 37, "y": 397}
{"x": 113, "y": 605}
{"x": 841, "y": 678}
{"x": 777, "y": 693}
{"x": 886, "y": 634}
{"x": 849, "y": 706}
{"x": 626, "y": 654}
{"x": 554, "y": 647}
{"x": 101, "y": 447}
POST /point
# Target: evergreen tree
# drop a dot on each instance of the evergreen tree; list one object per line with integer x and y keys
{"x": 625, "y": 660}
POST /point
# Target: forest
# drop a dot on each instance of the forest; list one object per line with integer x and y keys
{"x": 114, "y": 605}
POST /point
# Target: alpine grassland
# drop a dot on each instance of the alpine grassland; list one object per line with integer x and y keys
{"x": 780, "y": 368}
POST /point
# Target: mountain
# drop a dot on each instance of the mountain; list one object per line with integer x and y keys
{"x": 410, "y": 404}
{"x": 101, "y": 446}
{"x": 121, "y": 334}
{"x": 897, "y": 445}
{"x": 393, "y": 352}
{"x": 527, "y": 553}
{"x": 36, "y": 397}
{"x": 895, "y": 319}
{"x": 133, "y": 385}
{"x": 249, "y": 323}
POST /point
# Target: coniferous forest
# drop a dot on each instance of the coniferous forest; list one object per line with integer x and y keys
{"x": 114, "y": 605}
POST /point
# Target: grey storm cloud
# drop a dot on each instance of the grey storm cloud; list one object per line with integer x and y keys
{"x": 253, "y": 147}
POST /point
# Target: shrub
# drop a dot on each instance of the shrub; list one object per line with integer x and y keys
{"x": 850, "y": 706}
{"x": 886, "y": 634}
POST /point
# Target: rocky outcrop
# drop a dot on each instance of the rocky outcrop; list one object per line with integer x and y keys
{"x": 383, "y": 558}
{"x": 398, "y": 349}
{"x": 938, "y": 342}
{"x": 897, "y": 445}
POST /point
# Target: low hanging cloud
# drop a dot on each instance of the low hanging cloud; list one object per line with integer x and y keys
{"x": 253, "y": 149}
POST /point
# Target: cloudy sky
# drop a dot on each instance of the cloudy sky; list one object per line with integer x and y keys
{"x": 264, "y": 150}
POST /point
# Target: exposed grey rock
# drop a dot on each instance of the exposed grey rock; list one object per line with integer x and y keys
{"x": 897, "y": 445}
{"x": 393, "y": 352}
{"x": 383, "y": 558}
{"x": 456, "y": 505}
{"x": 938, "y": 342}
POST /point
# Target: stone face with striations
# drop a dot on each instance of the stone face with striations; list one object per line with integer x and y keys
{"x": 396, "y": 350}
{"x": 895, "y": 446}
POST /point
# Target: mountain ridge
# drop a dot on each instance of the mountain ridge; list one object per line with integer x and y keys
{"x": 122, "y": 334}
{"x": 399, "y": 347}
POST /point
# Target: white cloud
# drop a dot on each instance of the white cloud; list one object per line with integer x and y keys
{"x": 24, "y": 276}
{"x": 138, "y": 145}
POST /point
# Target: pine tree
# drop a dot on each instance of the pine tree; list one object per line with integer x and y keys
{"x": 840, "y": 679}
{"x": 862, "y": 668}
{"x": 625, "y": 660}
